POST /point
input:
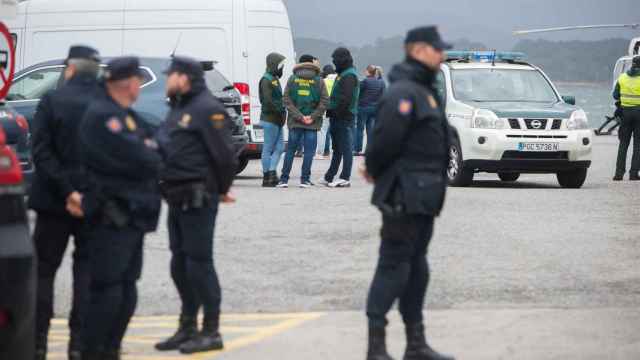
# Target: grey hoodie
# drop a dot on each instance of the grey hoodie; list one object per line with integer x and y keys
{"x": 307, "y": 71}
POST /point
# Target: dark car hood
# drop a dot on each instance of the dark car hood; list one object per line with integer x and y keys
{"x": 559, "y": 110}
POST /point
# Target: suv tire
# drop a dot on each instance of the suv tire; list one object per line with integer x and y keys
{"x": 243, "y": 161}
{"x": 509, "y": 177}
{"x": 573, "y": 179}
{"x": 456, "y": 172}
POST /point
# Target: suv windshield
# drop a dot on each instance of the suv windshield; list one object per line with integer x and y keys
{"x": 502, "y": 85}
{"x": 217, "y": 82}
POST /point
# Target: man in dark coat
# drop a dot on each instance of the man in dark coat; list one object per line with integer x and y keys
{"x": 407, "y": 160}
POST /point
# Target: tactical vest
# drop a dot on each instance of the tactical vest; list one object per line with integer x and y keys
{"x": 277, "y": 89}
{"x": 629, "y": 90}
{"x": 337, "y": 89}
{"x": 305, "y": 93}
{"x": 329, "y": 82}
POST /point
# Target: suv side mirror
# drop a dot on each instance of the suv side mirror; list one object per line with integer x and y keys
{"x": 571, "y": 100}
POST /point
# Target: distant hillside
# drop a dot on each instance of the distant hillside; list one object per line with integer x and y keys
{"x": 574, "y": 61}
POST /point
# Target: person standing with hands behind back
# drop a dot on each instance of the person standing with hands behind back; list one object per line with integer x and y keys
{"x": 407, "y": 160}
{"x": 272, "y": 118}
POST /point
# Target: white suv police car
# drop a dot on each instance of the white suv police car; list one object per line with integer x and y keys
{"x": 509, "y": 119}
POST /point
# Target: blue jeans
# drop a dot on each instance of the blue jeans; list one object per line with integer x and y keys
{"x": 366, "y": 120}
{"x": 273, "y": 146}
{"x": 308, "y": 139}
{"x": 341, "y": 134}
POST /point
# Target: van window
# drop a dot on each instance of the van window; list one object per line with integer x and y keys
{"x": 35, "y": 84}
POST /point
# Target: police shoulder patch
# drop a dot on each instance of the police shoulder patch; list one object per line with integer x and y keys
{"x": 114, "y": 125}
{"x": 405, "y": 107}
{"x": 218, "y": 120}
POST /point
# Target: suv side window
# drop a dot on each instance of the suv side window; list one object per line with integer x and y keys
{"x": 440, "y": 85}
{"x": 35, "y": 84}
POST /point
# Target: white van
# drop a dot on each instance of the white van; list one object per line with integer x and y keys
{"x": 237, "y": 34}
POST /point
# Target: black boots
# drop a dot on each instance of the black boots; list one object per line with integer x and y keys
{"x": 187, "y": 330}
{"x": 209, "y": 338}
{"x": 618, "y": 177}
{"x": 270, "y": 179}
{"x": 634, "y": 176}
{"x": 417, "y": 347}
{"x": 377, "y": 344}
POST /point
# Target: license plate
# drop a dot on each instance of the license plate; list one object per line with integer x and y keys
{"x": 539, "y": 147}
{"x": 259, "y": 134}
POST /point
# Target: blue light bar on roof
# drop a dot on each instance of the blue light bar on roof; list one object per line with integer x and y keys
{"x": 486, "y": 56}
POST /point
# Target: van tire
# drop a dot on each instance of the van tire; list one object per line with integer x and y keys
{"x": 573, "y": 179}
{"x": 243, "y": 161}
{"x": 457, "y": 174}
{"x": 509, "y": 177}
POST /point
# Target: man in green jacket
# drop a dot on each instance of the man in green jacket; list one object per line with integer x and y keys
{"x": 272, "y": 118}
{"x": 306, "y": 99}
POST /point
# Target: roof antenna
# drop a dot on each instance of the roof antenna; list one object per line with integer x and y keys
{"x": 173, "y": 53}
{"x": 493, "y": 61}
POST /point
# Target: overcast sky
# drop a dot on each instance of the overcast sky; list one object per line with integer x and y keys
{"x": 490, "y": 21}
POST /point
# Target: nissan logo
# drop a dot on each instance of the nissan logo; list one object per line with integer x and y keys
{"x": 536, "y": 124}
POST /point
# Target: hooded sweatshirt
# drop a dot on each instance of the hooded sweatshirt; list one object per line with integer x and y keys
{"x": 306, "y": 95}
{"x": 273, "y": 109}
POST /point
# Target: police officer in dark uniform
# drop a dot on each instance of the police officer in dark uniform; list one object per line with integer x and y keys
{"x": 58, "y": 180}
{"x": 407, "y": 161}
{"x": 627, "y": 96}
{"x": 199, "y": 168}
{"x": 121, "y": 205}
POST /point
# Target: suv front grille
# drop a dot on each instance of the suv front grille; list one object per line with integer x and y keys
{"x": 514, "y": 123}
{"x": 535, "y": 124}
{"x": 535, "y": 155}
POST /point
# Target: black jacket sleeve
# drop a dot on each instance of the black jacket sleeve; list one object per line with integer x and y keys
{"x": 393, "y": 121}
{"x": 117, "y": 152}
{"x": 214, "y": 126}
{"x": 44, "y": 154}
{"x": 348, "y": 85}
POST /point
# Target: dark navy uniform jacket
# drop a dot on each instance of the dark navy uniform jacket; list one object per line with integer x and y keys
{"x": 121, "y": 161}
{"x": 55, "y": 146}
{"x": 196, "y": 141}
{"x": 408, "y": 154}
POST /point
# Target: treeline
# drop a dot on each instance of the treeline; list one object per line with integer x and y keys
{"x": 571, "y": 61}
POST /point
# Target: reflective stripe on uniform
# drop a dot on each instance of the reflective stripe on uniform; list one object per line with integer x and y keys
{"x": 629, "y": 90}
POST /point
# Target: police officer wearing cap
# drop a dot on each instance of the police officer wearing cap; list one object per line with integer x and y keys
{"x": 199, "y": 169}
{"x": 407, "y": 161}
{"x": 627, "y": 96}
{"x": 59, "y": 180}
{"x": 121, "y": 204}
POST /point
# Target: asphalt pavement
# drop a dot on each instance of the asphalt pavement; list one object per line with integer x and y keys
{"x": 520, "y": 271}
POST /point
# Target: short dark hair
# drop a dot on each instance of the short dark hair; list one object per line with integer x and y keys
{"x": 306, "y": 58}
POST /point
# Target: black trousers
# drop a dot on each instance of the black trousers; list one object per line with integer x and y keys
{"x": 191, "y": 235}
{"x": 630, "y": 128}
{"x": 402, "y": 272}
{"x": 51, "y": 237}
{"x": 116, "y": 265}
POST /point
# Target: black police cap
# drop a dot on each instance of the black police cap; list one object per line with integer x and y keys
{"x": 83, "y": 52}
{"x": 123, "y": 68}
{"x": 186, "y": 65}
{"x": 429, "y": 35}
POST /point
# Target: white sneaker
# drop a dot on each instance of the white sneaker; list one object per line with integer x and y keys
{"x": 323, "y": 182}
{"x": 282, "y": 185}
{"x": 340, "y": 183}
{"x": 306, "y": 184}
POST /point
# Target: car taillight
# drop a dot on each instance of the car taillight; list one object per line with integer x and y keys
{"x": 245, "y": 99}
{"x": 4, "y": 318}
{"x": 22, "y": 122}
{"x": 10, "y": 172}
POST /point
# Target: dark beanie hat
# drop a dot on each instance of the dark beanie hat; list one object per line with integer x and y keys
{"x": 306, "y": 58}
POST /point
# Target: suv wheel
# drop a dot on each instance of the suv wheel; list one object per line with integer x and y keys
{"x": 509, "y": 177}
{"x": 242, "y": 164}
{"x": 573, "y": 179}
{"x": 458, "y": 175}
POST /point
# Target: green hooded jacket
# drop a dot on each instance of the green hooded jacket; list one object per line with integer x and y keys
{"x": 306, "y": 95}
{"x": 271, "y": 97}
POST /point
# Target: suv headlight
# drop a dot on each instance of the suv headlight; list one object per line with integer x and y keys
{"x": 578, "y": 121}
{"x": 487, "y": 119}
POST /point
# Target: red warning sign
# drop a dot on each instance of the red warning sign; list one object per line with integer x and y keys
{"x": 7, "y": 60}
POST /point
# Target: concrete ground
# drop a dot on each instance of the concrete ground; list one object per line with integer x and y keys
{"x": 520, "y": 271}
